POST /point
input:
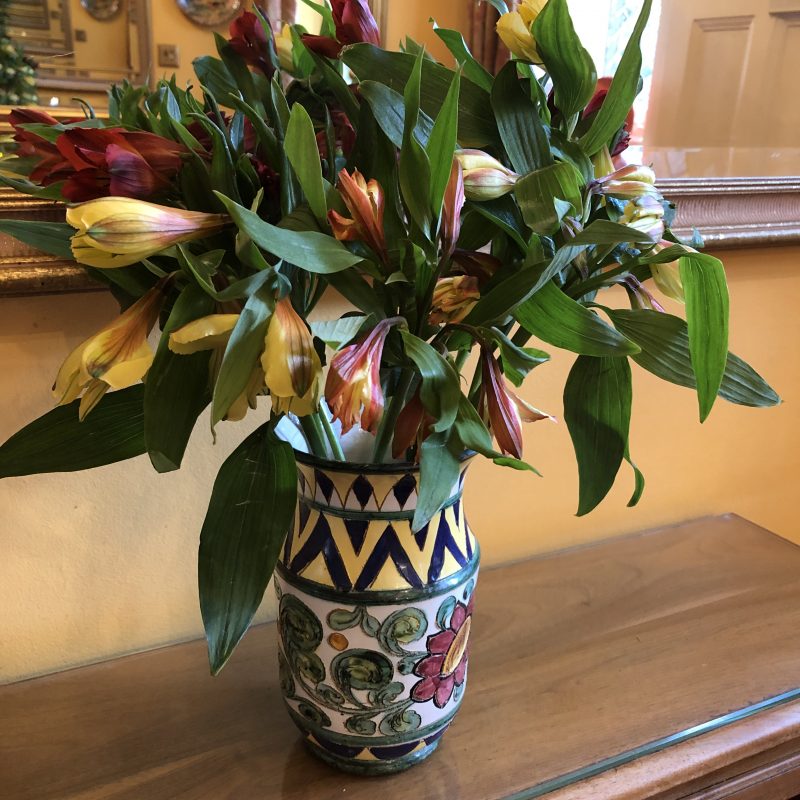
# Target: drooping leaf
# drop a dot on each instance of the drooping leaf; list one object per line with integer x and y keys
{"x": 517, "y": 361}
{"x": 439, "y": 472}
{"x": 621, "y": 93}
{"x": 242, "y": 353}
{"x": 664, "y": 342}
{"x": 707, "y": 311}
{"x": 559, "y": 320}
{"x": 49, "y": 237}
{"x": 301, "y": 149}
{"x": 177, "y": 386}
{"x": 597, "y": 410}
{"x": 59, "y": 442}
{"x": 440, "y": 389}
{"x": 567, "y": 61}
{"x": 473, "y": 69}
{"x": 252, "y": 506}
{"x": 518, "y": 121}
{"x": 310, "y": 250}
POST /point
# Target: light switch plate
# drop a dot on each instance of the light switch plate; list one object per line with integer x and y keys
{"x": 169, "y": 55}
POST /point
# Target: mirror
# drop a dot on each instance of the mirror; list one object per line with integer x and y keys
{"x": 210, "y": 13}
{"x": 82, "y": 45}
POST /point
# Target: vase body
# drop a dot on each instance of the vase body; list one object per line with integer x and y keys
{"x": 374, "y": 619}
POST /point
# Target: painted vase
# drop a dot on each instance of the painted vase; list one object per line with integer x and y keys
{"x": 374, "y": 619}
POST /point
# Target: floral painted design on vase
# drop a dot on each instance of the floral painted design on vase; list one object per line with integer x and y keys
{"x": 374, "y": 618}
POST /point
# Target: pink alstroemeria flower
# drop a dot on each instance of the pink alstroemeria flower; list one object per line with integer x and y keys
{"x": 354, "y": 380}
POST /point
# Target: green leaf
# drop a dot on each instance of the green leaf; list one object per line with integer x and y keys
{"x": 415, "y": 167}
{"x": 338, "y": 86}
{"x": 639, "y": 482}
{"x": 442, "y": 145}
{"x": 244, "y": 348}
{"x": 521, "y": 128}
{"x": 664, "y": 340}
{"x": 602, "y": 231}
{"x": 473, "y": 69}
{"x": 388, "y": 108}
{"x": 352, "y": 286}
{"x": 339, "y": 332}
{"x": 517, "y": 361}
{"x": 176, "y": 390}
{"x": 565, "y": 58}
{"x": 49, "y": 237}
{"x": 538, "y": 193}
{"x": 504, "y": 213}
{"x": 59, "y": 442}
{"x": 707, "y": 311}
{"x": 597, "y": 410}
{"x": 301, "y": 148}
{"x": 252, "y": 506}
{"x": 439, "y": 472}
{"x": 440, "y": 389}
{"x": 309, "y": 250}
{"x": 214, "y": 76}
{"x": 557, "y": 319}
{"x": 621, "y": 93}
{"x": 476, "y": 126}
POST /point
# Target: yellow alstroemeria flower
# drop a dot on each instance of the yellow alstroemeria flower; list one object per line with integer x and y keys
{"x": 285, "y": 47}
{"x": 484, "y": 177}
{"x": 291, "y": 365}
{"x": 212, "y": 333}
{"x": 119, "y": 231}
{"x": 116, "y": 357}
{"x": 514, "y": 29}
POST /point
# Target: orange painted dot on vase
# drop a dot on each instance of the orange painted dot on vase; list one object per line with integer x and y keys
{"x": 338, "y": 641}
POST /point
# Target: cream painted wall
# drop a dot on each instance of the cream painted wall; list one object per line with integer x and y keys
{"x": 102, "y": 563}
{"x": 411, "y": 18}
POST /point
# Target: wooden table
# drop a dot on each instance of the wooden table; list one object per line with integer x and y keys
{"x": 578, "y": 659}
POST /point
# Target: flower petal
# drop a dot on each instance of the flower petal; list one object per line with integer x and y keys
{"x": 444, "y": 691}
{"x": 440, "y": 642}
{"x": 424, "y": 690}
{"x": 430, "y": 666}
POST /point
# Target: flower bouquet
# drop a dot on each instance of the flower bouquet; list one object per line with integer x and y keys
{"x": 458, "y": 216}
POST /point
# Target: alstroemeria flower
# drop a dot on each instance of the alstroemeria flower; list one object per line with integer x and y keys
{"x": 119, "y": 231}
{"x": 667, "y": 276}
{"x": 594, "y": 105}
{"x": 250, "y": 42}
{"x": 354, "y": 23}
{"x": 645, "y": 214}
{"x": 98, "y": 162}
{"x": 284, "y": 46}
{"x": 638, "y": 294}
{"x": 514, "y": 29}
{"x": 454, "y": 199}
{"x": 365, "y": 201}
{"x": 501, "y": 409}
{"x": 413, "y": 426}
{"x": 116, "y": 357}
{"x": 453, "y": 298}
{"x": 212, "y": 333}
{"x": 343, "y": 134}
{"x": 485, "y": 178}
{"x": 627, "y": 183}
{"x": 475, "y": 264}
{"x": 291, "y": 364}
{"x": 354, "y": 381}
{"x": 51, "y": 166}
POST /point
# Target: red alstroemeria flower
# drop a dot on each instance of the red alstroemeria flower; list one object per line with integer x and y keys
{"x": 354, "y": 380}
{"x": 454, "y": 199}
{"x": 600, "y": 93}
{"x": 501, "y": 409}
{"x": 51, "y": 164}
{"x": 445, "y": 666}
{"x": 354, "y": 23}
{"x": 365, "y": 201}
{"x": 114, "y": 162}
{"x": 343, "y": 133}
{"x": 250, "y": 41}
{"x": 413, "y": 426}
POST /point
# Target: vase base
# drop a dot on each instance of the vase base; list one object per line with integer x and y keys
{"x": 368, "y": 762}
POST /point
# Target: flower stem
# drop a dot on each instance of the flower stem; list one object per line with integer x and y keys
{"x": 315, "y": 436}
{"x": 333, "y": 441}
{"x": 386, "y": 430}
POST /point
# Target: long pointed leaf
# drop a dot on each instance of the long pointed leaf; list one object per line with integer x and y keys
{"x": 301, "y": 149}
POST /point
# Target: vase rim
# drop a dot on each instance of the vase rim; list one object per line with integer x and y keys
{"x": 391, "y": 468}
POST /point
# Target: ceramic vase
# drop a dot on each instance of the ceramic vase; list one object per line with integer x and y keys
{"x": 374, "y": 618}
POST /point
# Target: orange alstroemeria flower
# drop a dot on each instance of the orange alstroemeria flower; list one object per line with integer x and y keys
{"x": 502, "y": 410}
{"x": 453, "y": 298}
{"x": 365, "y": 201}
{"x": 354, "y": 381}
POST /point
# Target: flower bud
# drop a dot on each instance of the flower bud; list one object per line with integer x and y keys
{"x": 645, "y": 214}
{"x": 485, "y": 178}
{"x": 450, "y": 226}
{"x": 628, "y": 183}
{"x": 453, "y": 299}
{"x": 514, "y": 29}
{"x": 284, "y": 46}
{"x": 120, "y": 231}
{"x": 667, "y": 276}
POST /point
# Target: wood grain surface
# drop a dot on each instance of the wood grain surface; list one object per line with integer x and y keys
{"x": 576, "y": 657}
